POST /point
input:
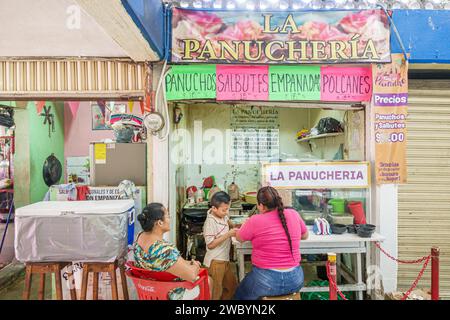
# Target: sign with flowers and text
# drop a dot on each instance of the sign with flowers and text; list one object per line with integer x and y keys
{"x": 389, "y": 114}
{"x": 216, "y": 36}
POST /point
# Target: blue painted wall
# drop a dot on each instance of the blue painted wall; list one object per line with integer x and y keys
{"x": 148, "y": 15}
{"x": 425, "y": 35}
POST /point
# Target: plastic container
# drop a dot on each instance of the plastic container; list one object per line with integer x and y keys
{"x": 368, "y": 226}
{"x": 365, "y": 233}
{"x": 357, "y": 210}
{"x": 250, "y": 197}
{"x": 191, "y": 192}
{"x": 341, "y": 219}
{"x": 310, "y": 216}
{"x": 352, "y": 228}
{"x": 206, "y": 193}
{"x": 199, "y": 196}
{"x": 338, "y": 206}
{"x": 153, "y": 285}
{"x": 338, "y": 228}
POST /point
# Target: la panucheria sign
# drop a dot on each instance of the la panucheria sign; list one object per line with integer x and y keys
{"x": 280, "y": 37}
{"x": 312, "y": 175}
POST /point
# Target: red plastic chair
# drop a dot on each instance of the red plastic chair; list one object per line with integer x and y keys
{"x": 156, "y": 285}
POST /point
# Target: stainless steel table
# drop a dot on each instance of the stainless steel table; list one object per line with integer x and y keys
{"x": 318, "y": 244}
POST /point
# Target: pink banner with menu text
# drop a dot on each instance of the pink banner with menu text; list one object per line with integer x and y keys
{"x": 242, "y": 82}
{"x": 346, "y": 84}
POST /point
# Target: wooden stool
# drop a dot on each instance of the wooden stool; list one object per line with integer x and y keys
{"x": 98, "y": 267}
{"x": 42, "y": 269}
{"x": 293, "y": 296}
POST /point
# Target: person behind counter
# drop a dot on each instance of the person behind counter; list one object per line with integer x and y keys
{"x": 152, "y": 252}
{"x": 275, "y": 234}
{"x": 218, "y": 231}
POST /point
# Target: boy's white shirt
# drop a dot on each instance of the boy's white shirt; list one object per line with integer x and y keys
{"x": 213, "y": 228}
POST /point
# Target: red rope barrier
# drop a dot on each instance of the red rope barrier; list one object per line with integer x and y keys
{"x": 414, "y": 285}
{"x": 333, "y": 284}
{"x": 434, "y": 256}
{"x": 399, "y": 260}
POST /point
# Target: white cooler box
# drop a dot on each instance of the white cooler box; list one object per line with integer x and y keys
{"x": 84, "y": 231}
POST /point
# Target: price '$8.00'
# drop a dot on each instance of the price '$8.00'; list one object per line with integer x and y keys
{"x": 389, "y": 137}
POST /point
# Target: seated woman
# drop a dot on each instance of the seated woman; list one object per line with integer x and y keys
{"x": 275, "y": 234}
{"x": 152, "y": 252}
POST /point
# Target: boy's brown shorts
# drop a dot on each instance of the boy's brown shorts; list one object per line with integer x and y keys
{"x": 224, "y": 280}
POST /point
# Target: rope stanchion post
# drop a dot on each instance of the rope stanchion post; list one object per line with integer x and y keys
{"x": 435, "y": 273}
{"x": 332, "y": 265}
{"x": 434, "y": 257}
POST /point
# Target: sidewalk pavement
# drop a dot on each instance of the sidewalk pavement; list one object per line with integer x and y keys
{"x": 10, "y": 276}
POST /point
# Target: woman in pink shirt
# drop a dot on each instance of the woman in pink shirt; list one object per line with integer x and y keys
{"x": 275, "y": 234}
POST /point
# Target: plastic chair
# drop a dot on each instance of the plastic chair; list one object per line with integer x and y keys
{"x": 156, "y": 285}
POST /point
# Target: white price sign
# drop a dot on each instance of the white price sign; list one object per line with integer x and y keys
{"x": 317, "y": 175}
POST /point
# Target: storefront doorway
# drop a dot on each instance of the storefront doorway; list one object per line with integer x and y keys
{"x": 230, "y": 142}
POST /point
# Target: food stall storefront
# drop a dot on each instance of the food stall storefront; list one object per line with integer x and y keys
{"x": 283, "y": 99}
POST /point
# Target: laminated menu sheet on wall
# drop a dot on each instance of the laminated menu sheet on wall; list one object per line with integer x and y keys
{"x": 255, "y": 133}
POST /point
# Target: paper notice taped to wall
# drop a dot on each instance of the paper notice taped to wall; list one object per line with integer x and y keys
{"x": 100, "y": 153}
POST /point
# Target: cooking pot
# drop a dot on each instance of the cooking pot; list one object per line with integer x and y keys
{"x": 194, "y": 215}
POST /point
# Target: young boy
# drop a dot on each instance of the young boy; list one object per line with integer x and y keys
{"x": 217, "y": 233}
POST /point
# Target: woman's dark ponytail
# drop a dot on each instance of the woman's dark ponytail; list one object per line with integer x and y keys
{"x": 152, "y": 213}
{"x": 269, "y": 197}
{"x": 284, "y": 223}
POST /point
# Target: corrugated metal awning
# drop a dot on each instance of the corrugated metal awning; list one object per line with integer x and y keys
{"x": 71, "y": 79}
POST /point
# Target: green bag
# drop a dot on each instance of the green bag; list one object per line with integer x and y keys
{"x": 319, "y": 295}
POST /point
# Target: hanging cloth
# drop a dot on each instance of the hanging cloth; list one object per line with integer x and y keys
{"x": 82, "y": 192}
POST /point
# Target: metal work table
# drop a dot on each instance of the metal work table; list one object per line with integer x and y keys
{"x": 318, "y": 244}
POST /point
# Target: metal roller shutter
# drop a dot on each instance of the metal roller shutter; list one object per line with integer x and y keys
{"x": 424, "y": 202}
{"x": 79, "y": 79}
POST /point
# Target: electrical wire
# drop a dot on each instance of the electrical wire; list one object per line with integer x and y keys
{"x": 166, "y": 107}
{"x": 394, "y": 27}
{"x": 160, "y": 98}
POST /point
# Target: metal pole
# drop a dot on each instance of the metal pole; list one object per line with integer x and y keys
{"x": 332, "y": 263}
{"x": 6, "y": 226}
{"x": 435, "y": 273}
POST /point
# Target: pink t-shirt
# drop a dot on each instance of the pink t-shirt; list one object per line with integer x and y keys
{"x": 269, "y": 240}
